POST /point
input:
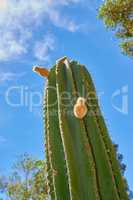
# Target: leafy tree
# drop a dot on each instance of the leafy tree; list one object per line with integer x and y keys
{"x": 27, "y": 181}
{"x": 118, "y": 15}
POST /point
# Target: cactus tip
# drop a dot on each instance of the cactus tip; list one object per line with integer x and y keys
{"x": 41, "y": 71}
{"x": 61, "y": 60}
{"x": 34, "y": 68}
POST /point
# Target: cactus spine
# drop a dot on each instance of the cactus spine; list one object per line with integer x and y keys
{"x": 81, "y": 158}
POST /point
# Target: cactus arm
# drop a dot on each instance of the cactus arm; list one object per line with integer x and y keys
{"x": 119, "y": 181}
{"x": 41, "y": 71}
{"x": 81, "y": 173}
{"x": 55, "y": 150}
{"x": 105, "y": 178}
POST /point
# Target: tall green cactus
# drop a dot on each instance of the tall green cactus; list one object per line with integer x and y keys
{"x": 81, "y": 159}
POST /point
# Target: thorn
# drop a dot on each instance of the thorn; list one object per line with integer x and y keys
{"x": 55, "y": 172}
{"x": 41, "y": 71}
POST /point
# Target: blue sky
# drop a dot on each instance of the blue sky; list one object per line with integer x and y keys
{"x": 39, "y": 32}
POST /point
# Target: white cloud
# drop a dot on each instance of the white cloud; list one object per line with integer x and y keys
{"x": 3, "y": 4}
{"x": 9, "y": 76}
{"x": 44, "y": 47}
{"x": 63, "y": 22}
{"x": 19, "y": 19}
{"x": 10, "y": 46}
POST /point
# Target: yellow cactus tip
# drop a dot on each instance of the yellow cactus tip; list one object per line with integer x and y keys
{"x": 41, "y": 71}
{"x": 61, "y": 60}
{"x": 34, "y": 68}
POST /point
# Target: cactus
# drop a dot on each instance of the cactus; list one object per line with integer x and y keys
{"x": 81, "y": 158}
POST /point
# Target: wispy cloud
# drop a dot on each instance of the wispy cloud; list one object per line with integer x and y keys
{"x": 10, "y": 46}
{"x": 43, "y": 47}
{"x": 9, "y": 76}
{"x": 19, "y": 20}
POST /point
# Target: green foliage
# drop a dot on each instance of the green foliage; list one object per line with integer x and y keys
{"x": 27, "y": 180}
{"x": 118, "y": 15}
{"x": 82, "y": 161}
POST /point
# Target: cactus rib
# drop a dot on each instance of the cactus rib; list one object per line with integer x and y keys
{"x": 55, "y": 151}
{"x": 47, "y": 148}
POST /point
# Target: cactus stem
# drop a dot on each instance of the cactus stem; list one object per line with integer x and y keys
{"x": 81, "y": 160}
